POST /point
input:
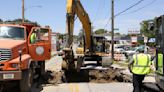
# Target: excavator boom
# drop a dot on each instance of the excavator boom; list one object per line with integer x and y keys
{"x": 74, "y": 7}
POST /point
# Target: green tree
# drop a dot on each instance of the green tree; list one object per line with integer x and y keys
{"x": 1, "y": 21}
{"x": 19, "y": 21}
{"x": 100, "y": 31}
{"x": 145, "y": 29}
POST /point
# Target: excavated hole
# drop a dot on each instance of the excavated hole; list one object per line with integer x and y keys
{"x": 93, "y": 76}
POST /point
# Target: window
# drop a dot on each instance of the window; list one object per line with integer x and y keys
{"x": 39, "y": 34}
{"x": 10, "y": 32}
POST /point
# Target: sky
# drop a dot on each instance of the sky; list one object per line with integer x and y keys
{"x": 53, "y": 13}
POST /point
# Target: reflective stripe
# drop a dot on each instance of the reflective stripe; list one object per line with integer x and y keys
{"x": 136, "y": 59}
{"x": 140, "y": 66}
{"x": 147, "y": 60}
{"x": 160, "y": 63}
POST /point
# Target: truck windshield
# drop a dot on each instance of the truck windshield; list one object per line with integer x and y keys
{"x": 10, "y": 32}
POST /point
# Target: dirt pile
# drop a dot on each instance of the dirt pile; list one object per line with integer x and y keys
{"x": 109, "y": 75}
{"x": 95, "y": 76}
{"x": 52, "y": 77}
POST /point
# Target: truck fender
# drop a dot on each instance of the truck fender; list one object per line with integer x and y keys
{"x": 25, "y": 61}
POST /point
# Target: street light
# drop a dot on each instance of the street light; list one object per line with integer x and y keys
{"x": 25, "y": 9}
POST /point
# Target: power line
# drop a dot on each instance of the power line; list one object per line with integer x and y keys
{"x": 98, "y": 10}
{"x": 129, "y": 8}
{"x": 102, "y": 8}
{"x": 107, "y": 22}
{"x": 142, "y": 7}
{"x": 124, "y": 11}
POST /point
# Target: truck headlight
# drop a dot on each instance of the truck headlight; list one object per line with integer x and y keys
{"x": 39, "y": 50}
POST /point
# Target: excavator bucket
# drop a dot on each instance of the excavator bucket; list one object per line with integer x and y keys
{"x": 106, "y": 61}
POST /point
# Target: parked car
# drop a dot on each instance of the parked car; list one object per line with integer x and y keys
{"x": 134, "y": 50}
{"x": 131, "y": 52}
{"x": 119, "y": 50}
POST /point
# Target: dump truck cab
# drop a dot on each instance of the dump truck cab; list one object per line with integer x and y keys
{"x": 20, "y": 58}
{"x": 13, "y": 39}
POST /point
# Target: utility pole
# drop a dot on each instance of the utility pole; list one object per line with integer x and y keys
{"x": 22, "y": 11}
{"x": 112, "y": 29}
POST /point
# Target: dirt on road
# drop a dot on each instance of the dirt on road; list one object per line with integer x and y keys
{"x": 94, "y": 76}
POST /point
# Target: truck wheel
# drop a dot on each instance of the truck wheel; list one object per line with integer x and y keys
{"x": 42, "y": 68}
{"x": 26, "y": 81}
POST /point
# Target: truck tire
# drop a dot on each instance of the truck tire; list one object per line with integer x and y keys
{"x": 42, "y": 68}
{"x": 26, "y": 81}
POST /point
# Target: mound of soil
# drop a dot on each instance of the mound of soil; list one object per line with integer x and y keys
{"x": 94, "y": 76}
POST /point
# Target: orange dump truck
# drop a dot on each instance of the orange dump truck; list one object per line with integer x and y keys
{"x": 23, "y": 51}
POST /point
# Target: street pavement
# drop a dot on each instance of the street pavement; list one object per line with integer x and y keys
{"x": 89, "y": 87}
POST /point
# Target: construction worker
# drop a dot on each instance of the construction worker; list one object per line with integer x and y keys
{"x": 139, "y": 66}
{"x": 33, "y": 37}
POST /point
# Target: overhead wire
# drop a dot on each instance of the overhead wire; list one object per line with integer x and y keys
{"x": 107, "y": 13}
{"x": 142, "y": 7}
{"x": 137, "y": 3}
{"x": 129, "y": 8}
{"x": 98, "y": 10}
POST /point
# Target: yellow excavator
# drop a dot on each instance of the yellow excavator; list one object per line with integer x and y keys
{"x": 91, "y": 51}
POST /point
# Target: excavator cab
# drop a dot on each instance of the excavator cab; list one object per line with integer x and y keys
{"x": 159, "y": 27}
{"x": 99, "y": 43}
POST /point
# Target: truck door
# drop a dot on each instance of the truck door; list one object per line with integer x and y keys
{"x": 39, "y": 43}
{"x": 160, "y": 51}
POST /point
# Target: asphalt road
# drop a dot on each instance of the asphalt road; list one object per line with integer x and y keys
{"x": 89, "y": 87}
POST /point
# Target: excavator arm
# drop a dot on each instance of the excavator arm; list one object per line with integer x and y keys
{"x": 74, "y": 7}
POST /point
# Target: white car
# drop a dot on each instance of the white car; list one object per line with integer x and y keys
{"x": 119, "y": 50}
{"x": 131, "y": 52}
